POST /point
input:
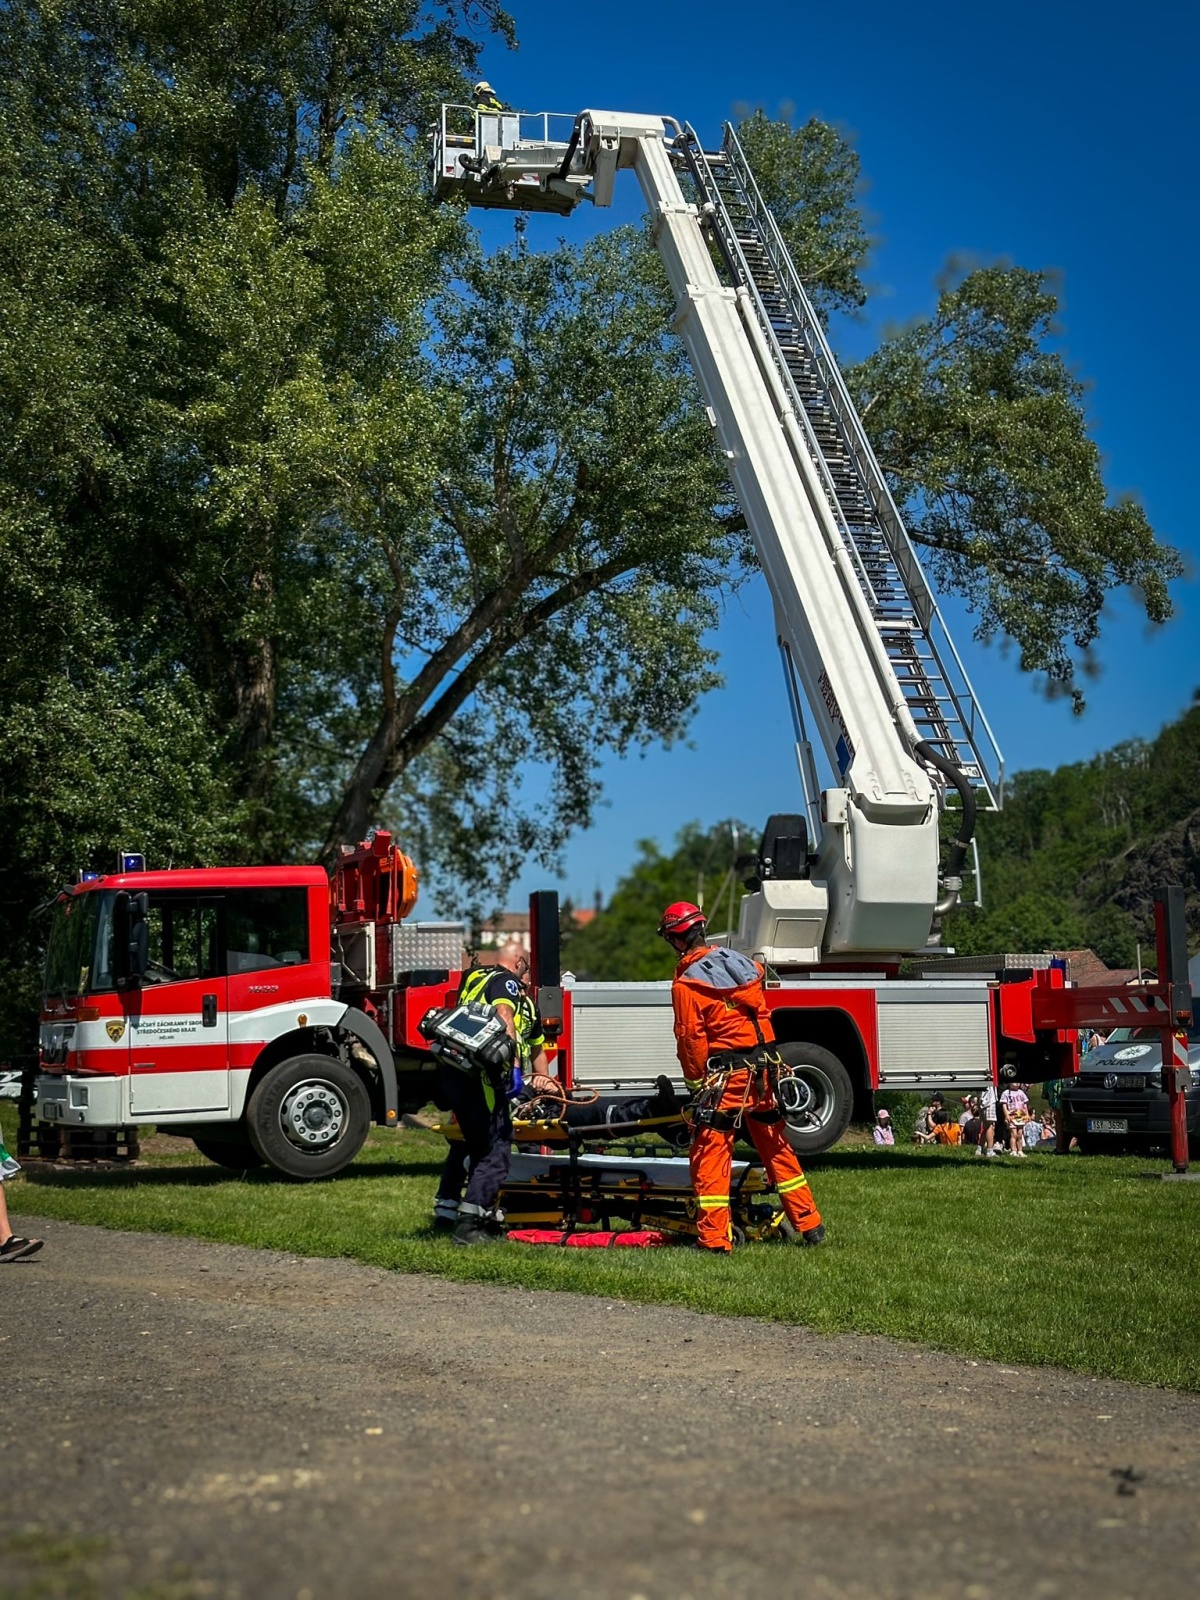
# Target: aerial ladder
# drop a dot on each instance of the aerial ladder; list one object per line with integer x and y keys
{"x": 863, "y": 643}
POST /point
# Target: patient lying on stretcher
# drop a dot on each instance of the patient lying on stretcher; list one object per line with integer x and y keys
{"x": 543, "y": 1100}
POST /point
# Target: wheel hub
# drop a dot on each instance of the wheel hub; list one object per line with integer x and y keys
{"x": 796, "y": 1095}
{"x": 806, "y": 1098}
{"x": 312, "y": 1115}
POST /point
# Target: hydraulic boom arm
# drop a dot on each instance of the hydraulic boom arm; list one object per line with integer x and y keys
{"x": 855, "y": 618}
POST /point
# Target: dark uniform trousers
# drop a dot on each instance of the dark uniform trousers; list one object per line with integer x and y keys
{"x": 486, "y": 1137}
{"x": 481, "y": 1106}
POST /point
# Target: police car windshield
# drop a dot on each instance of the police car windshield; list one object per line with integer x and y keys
{"x": 1155, "y": 1034}
{"x": 71, "y": 948}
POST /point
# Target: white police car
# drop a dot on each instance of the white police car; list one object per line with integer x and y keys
{"x": 1118, "y": 1102}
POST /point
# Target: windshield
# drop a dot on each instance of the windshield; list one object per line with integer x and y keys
{"x": 71, "y": 950}
{"x": 1155, "y": 1034}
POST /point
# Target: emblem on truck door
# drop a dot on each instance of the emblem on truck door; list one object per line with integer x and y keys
{"x": 115, "y": 1029}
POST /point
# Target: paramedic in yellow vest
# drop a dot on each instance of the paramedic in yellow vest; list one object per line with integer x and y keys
{"x": 481, "y": 1103}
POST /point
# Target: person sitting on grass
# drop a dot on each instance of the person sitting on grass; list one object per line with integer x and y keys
{"x": 883, "y": 1132}
{"x": 945, "y": 1129}
{"x": 971, "y": 1122}
{"x": 1032, "y": 1131}
{"x": 923, "y": 1127}
{"x": 12, "y": 1248}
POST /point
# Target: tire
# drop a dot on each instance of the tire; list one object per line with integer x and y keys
{"x": 236, "y": 1153}
{"x": 827, "y": 1117}
{"x": 309, "y": 1116}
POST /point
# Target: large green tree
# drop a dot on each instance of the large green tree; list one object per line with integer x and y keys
{"x": 215, "y": 256}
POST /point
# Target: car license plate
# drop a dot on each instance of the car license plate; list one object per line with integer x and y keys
{"x": 1108, "y": 1124}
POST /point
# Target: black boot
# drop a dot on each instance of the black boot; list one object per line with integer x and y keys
{"x": 813, "y": 1236}
{"x": 665, "y": 1102}
{"x": 471, "y": 1230}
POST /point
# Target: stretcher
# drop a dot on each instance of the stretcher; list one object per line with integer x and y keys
{"x": 556, "y": 1182}
{"x": 578, "y": 1189}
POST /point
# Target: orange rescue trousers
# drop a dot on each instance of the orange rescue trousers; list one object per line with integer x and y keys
{"x": 711, "y": 1159}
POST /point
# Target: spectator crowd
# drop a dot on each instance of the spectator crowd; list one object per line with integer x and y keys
{"x": 1004, "y": 1124}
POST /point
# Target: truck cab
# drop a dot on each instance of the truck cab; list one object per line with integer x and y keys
{"x": 201, "y": 1000}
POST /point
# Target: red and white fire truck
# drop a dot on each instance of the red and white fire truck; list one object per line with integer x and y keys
{"x": 271, "y": 1013}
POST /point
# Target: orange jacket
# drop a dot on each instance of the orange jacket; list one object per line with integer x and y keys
{"x": 716, "y": 994}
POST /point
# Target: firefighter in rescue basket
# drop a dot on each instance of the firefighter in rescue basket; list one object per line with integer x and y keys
{"x": 727, "y": 1049}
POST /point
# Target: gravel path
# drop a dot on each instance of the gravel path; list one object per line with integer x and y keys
{"x": 192, "y": 1420}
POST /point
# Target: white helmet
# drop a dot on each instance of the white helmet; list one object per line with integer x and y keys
{"x": 482, "y": 87}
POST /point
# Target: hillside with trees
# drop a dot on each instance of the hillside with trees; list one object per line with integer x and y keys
{"x": 1077, "y": 854}
{"x": 1073, "y": 860}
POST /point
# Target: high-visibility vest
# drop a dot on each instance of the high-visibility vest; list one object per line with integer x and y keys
{"x": 526, "y": 1022}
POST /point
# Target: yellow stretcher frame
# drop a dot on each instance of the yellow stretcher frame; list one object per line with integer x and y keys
{"x": 554, "y": 1182}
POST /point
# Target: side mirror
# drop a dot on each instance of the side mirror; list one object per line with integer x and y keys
{"x": 131, "y": 938}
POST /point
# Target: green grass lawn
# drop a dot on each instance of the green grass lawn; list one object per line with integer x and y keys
{"x": 1072, "y": 1260}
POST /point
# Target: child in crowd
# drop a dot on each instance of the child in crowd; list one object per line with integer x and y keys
{"x": 883, "y": 1132}
{"x": 1016, "y": 1113}
{"x": 987, "y": 1114}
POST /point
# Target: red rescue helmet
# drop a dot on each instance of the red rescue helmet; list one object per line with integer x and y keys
{"x": 680, "y": 917}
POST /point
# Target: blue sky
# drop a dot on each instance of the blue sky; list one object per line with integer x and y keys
{"x": 1054, "y": 135}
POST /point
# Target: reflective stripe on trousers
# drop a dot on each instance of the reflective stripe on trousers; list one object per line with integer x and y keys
{"x": 711, "y": 1160}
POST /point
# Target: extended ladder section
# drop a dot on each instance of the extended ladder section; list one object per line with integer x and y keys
{"x": 854, "y": 613}
{"x": 927, "y": 666}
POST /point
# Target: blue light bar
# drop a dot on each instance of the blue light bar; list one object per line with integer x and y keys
{"x": 130, "y": 861}
{"x": 89, "y": 877}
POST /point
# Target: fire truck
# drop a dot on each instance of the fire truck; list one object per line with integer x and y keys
{"x": 271, "y": 1014}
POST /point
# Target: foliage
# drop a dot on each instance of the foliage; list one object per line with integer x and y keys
{"x": 549, "y": 601}
{"x": 980, "y": 428}
{"x": 1061, "y": 861}
{"x": 622, "y": 941}
{"x": 214, "y": 262}
{"x": 811, "y": 179}
{"x": 901, "y": 1223}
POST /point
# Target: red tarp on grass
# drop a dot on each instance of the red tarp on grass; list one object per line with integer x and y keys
{"x": 601, "y": 1239}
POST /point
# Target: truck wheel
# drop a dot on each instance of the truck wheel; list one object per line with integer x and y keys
{"x": 821, "y": 1099}
{"x": 236, "y": 1153}
{"x": 309, "y": 1116}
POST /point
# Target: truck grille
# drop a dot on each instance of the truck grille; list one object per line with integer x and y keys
{"x": 1136, "y": 1110}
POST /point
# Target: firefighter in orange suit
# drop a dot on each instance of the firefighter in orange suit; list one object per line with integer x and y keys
{"x": 723, "y": 1031}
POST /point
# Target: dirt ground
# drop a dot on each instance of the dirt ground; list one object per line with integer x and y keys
{"x": 188, "y": 1420}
